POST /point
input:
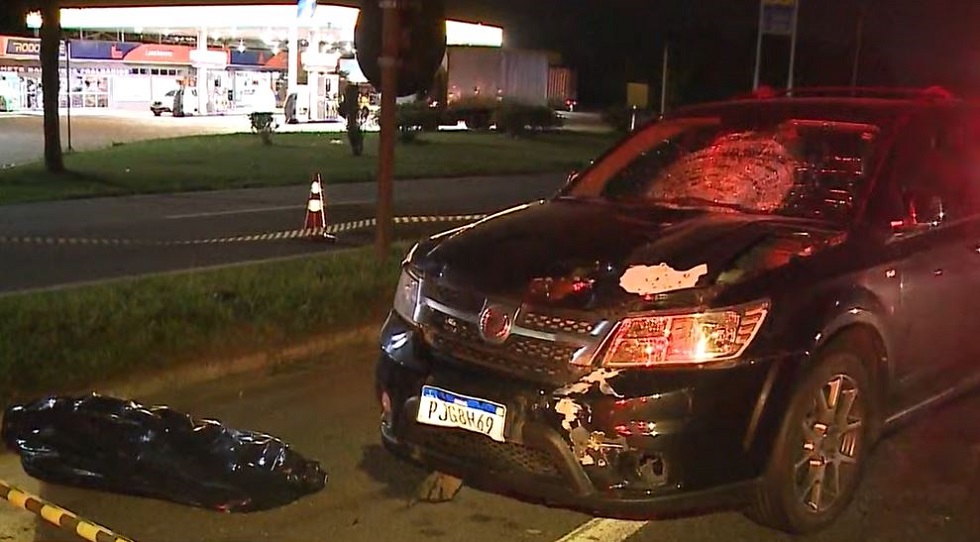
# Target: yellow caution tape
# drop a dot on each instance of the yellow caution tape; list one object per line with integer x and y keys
{"x": 274, "y": 236}
{"x": 59, "y": 517}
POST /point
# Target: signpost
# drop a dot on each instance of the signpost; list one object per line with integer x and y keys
{"x": 780, "y": 18}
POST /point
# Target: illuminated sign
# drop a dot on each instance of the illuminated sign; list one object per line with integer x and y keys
{"x": 778, "y": 16}
{"x": 320, "y": 60}
{"x": 209, "y": 58}
{"x": 24, "y": 48}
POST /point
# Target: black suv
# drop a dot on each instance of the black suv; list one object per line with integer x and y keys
{"x": 727, "y": 309}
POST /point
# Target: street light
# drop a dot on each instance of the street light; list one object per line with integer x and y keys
{"x": 34, "y": 21}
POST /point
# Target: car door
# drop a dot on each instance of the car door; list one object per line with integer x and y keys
{"x": 937, "y": 241}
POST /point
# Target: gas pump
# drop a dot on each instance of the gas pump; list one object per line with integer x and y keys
{"x": 322, "y": 90}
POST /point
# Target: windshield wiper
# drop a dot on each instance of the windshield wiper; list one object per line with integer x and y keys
{"x": 697, "y": 201}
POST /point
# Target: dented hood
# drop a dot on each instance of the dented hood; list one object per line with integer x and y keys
{"x": 596, "y": 255}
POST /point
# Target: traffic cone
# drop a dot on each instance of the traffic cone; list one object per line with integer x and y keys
{"x": 316, "y": 212}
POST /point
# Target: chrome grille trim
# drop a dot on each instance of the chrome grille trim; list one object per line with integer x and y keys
{"x": 562, "y": 337}
{"x": 464, "y": 316}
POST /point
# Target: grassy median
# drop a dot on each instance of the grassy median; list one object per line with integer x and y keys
{"x": 242, "y": 161}
{"x": 60, "y": 340}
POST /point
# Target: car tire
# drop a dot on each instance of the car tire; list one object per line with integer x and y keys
{"x": 157, "y": 113}
{"x": 822, "y": 446}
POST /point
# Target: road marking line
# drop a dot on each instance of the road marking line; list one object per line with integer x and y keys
{"x": 334, "y": 201}
{"x": 236, "y": 212}
{"x": 604, "y": 530}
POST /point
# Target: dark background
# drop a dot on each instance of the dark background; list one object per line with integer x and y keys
{"x": 610, "y": 42}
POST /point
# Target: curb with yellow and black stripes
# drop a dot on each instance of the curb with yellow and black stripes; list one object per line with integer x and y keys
{"x": 251, "y": 238}
{"x": 59, "y": 517}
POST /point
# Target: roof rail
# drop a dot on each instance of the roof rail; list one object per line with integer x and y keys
{"x": 933, "y": 93}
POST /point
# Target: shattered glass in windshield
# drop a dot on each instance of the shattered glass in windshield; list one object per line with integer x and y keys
{"x": 805, "y": 168}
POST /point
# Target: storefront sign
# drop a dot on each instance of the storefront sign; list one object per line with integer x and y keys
{"x": 23, "y": 48}
{"x": 100, "y": 50}
{"x": 159, "y": 54}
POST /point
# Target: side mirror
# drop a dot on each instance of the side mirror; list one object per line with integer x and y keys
{"x": 922, "y": 213}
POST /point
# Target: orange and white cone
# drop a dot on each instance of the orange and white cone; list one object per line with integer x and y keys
{"x": 316, "y": 212}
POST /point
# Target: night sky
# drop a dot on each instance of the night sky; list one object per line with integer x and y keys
{"x": 906, "y": 42}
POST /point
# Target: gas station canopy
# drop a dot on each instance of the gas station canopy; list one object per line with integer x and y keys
{"x": 269, "y": 23}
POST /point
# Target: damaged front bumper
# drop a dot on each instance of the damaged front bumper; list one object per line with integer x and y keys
{"x": 645, "y": 444}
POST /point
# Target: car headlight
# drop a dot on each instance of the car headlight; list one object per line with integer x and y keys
{"x": 685, "y": 338}
{"x": 407, "y": 295}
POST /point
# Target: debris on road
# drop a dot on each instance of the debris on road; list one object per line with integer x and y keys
{"x": 121, "y": 446}
{"x": 438, "y": 487}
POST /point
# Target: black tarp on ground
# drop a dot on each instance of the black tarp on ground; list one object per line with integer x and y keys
{"x": 121, "y": 446}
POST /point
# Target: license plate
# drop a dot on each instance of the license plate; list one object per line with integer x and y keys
{"x": 448, "y": 409}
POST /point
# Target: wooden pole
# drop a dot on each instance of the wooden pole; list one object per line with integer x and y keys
{"x": 51, "y": 84}
{"x": 390, "y": 33}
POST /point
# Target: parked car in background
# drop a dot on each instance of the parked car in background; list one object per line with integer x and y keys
{"x": 728, "y": 309}
{"x": 177, "y": 102}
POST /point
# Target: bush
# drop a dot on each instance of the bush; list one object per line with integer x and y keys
{"x": 416, "y": 117}
{"x": 476, "y": 112}
{"x": 517, "y": 119}
{"x": 264, "y": 125}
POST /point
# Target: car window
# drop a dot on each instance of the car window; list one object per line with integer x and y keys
{"x": 810, "y": 168}
{"x": 939, "y": 167}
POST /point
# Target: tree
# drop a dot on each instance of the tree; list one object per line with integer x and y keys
{"x": 51, "y": 83}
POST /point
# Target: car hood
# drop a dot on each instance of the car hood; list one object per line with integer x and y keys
{"x": 602, "y": 256}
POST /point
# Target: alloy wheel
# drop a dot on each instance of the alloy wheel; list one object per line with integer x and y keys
{"x": 832, "y": 441}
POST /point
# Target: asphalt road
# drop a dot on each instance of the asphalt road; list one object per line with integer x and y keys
{"x": 48, "y": 260}
{"x": 923, "y": 482}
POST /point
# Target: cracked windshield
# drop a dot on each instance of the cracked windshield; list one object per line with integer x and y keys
{"x": 489, "y": 270}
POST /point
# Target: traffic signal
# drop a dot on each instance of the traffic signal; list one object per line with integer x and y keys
{"x": 421, "y": 45}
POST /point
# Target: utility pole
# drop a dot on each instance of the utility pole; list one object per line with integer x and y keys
{"x": 792, "y": 46}
{"x": 758, "y": 45}
{"x": 663, "y": 79}
{"x": 858, "y": 44}
{"x": 390, "y": 33}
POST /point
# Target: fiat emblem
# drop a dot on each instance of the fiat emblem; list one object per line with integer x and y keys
{"x": 495, "y": 324}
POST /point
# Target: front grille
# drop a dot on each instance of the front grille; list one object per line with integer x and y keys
{"x": 530, "y": 368}
{"x": 482, "y": 451}
{"x": 555, "y": 324}
{"x": 539, "y": 359}
{"x": 550, "y": 352}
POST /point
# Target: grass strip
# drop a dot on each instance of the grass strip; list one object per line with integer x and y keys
{"x": 241, "y": 161}
{"x": 73, "y": 338}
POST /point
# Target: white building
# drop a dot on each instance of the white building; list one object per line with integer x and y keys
{"x": 129, "y": 57}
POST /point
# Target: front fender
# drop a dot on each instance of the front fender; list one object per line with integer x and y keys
{"x": 805, "y": 324}
{"x": 800, "y": 328}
